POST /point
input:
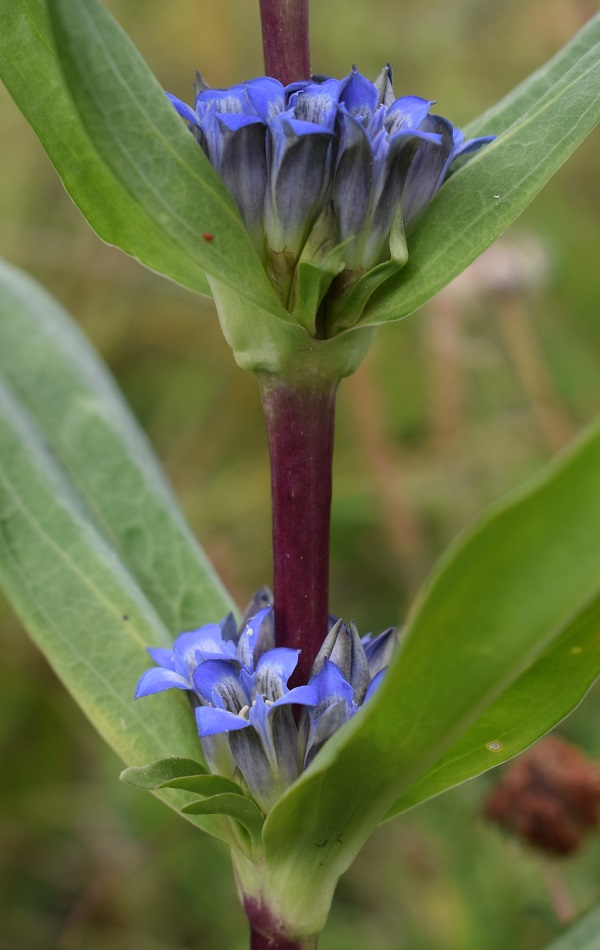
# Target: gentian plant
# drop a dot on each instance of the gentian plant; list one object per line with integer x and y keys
{"x": 312, "y": 209}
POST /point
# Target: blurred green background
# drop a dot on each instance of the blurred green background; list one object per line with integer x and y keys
{"x": 452, "y": 408}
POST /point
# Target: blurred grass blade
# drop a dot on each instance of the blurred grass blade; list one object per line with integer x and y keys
{"x": 498, "y": 118}
{"x": 479, "y": 202}
{"x": 62, "y": 383}
{"x": 498, "y": 600}
{"x": 536, "y": 702}
{"x": 582, "y": 935}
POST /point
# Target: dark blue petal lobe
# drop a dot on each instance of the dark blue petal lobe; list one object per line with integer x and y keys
{"x": 424, "y": 176}
{"x": 317, "y": 103}
{"x": 380, "y": 649}
{"x": 406, "y": 113}
{"x": 273, "y": 671}
{"x": 359, "y": 96}
{"x": 243, "y": 168}
{"x": 375, "y": 684}
{"x": 300, "y": 165}
{"x": 267, "y": 97}
{"x": 353, "y": 182}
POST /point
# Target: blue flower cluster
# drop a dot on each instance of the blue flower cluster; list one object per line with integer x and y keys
{"x": 237, "y": 681}
{"x": 342, "y": 159}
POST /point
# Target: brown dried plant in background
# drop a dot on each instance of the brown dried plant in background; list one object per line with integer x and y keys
{"x": 549, "y": 797}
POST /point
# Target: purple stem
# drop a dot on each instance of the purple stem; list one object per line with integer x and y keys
{"x": 300, "y": 423}
{"x": 265, "y": 934}
{"x": 285, "y": 39}
{"x": 260, "y": 941}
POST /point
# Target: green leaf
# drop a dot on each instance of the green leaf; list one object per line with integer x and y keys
{"x": 498, "y": 600}
{"x": 501, "y": 115}
{"x": 62, "y": 383}
{"x": 207, "y": 785}
{"x": 161, "y": 772}
{"x": 76, "y": 598}
{"x": 490, "y": 191}
{"x": 80, "y": 497}
{"x": 536, "y": 702}
{"x": 81, "y": 606}
{"x": 233, "y": 806}
{"x": 128, "y": 131}
{"x": 30, "y": 70}
{"x": 582, "y": 935}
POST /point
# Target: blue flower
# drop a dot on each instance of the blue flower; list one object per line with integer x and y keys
{"x": 237, "y": 681}
{"x": 291, "y": 156}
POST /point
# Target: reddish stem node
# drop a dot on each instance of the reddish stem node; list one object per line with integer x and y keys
{"x": 266, "y": 934}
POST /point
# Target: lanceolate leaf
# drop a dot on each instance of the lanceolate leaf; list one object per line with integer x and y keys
{"x": 498, "y": 118}
{"x": 31, "y": 72}
{"x": 536, "y": 702}
{"x": 81, "y": 606}
{"x": 207, "y": 785}
{"x": 147, "y": 147}
{"x": 180, "y": 218}
{"x": 85, "y": 516}
{"x": 498, "y": 600}
{"x": 234, "y": 806}
{"x": 479, "y": 202}
{"x": 159, "y": 773}
{"x": 584, "y": 934}
{"x": 59, "y": 379}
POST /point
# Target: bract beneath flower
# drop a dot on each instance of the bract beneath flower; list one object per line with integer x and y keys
{"x": 345, "y": 149}
{"x": 237, "y": 680}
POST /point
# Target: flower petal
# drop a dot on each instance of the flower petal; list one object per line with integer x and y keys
{"x": 249, "y": 639}
{"x": 359, "y": 96}
{"x": 232, "y": 101}
{"x": 158, "y": 679}
{"x": 375, "y": 684}
{"x": 353, "y": 182}
{"x": 164, "y": 658}
{"x": 266, "y": 95}
{"x": 205, "y": 640}
{"x": 317, "y": 103}
{"x": 426, "y": 171}
{"x": 380, "y": 649}
{"x": 212, "y": 721}
{"x": 243, "y": 168}
{"x": 383, "y": 85}
{"x": 273, "y": 672}
{"x": 300, "y": 167}
{"x": 406, "y": 113}
{"x": 185, "y": 111}
{"x": 343, "y": 647}
{"x": 218, "y": 684}
{"x": 331, "y": 688}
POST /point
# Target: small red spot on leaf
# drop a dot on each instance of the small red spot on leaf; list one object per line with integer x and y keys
{"x": 207, "y": 237}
